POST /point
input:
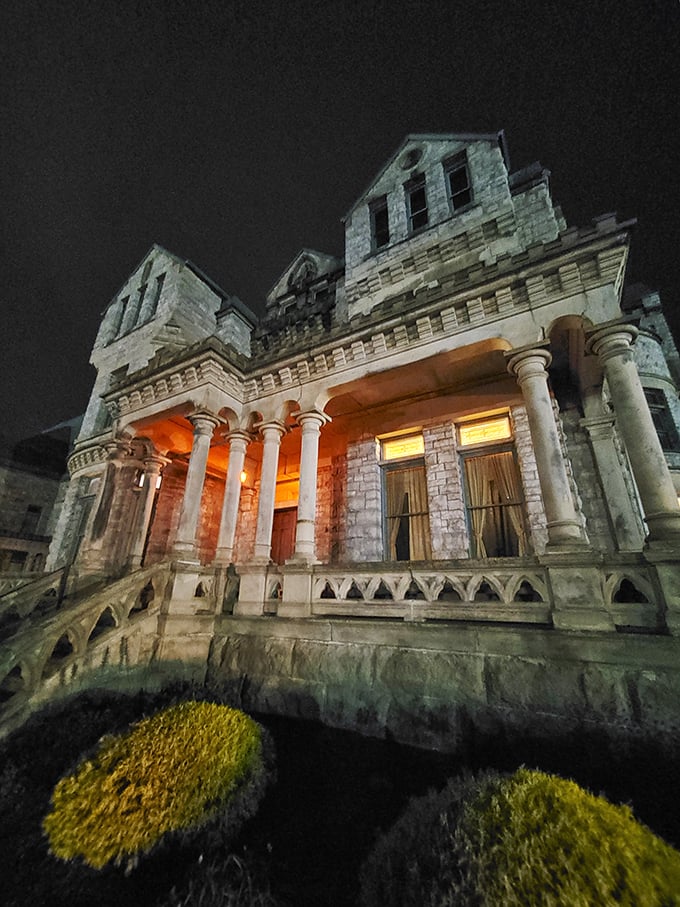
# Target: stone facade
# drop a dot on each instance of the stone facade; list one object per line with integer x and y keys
{"x": 462, "y": 420}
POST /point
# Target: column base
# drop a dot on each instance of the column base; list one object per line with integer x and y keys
{"x": 566, "y": 535}
{"x": 185, "y": 553}
{"x": 664, "y": 529}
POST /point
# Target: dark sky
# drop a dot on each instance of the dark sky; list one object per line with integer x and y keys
{"x": 235, "y": 132}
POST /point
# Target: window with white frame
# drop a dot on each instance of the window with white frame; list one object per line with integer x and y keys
{"x": 493, "y": 488}
{"x": 405, "y": 505}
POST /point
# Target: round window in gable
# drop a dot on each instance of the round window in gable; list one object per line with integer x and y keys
{"x": 410, "y": 158}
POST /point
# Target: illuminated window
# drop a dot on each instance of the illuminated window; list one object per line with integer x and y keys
{"x": 496, "y": 428}
{"x": 405, "y": 505}
{"x": 404, "y": 446}
{"x": 493, "y": 489}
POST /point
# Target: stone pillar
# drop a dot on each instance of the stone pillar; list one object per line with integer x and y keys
{"x": 238, "y": 442}
{"x": 626, "y": 529}
{"x": 311, "y": 423}
{"x": 152, "y": 470}
{"x": 272, "y": 433}
{"x": 185, "y": 543}
{"x": 92, "y": 554}
{"x": 529, "y": 365}
{"x": 612, "y": 345}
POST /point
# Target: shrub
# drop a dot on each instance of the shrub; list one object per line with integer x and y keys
{"x": 172, "y": 772}
{"x": 527, "y": 839}
{"x": 228, "y": 882}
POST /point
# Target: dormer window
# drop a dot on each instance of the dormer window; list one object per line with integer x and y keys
{"x": 416, "y": 202}
{"x": 380, "y": 224}
{"x": 458, "y": 181}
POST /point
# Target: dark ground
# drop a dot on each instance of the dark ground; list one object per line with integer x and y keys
{"x": 335, "y": 791}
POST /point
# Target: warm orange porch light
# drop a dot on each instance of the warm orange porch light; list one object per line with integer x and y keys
{"x": 244, "y": 476}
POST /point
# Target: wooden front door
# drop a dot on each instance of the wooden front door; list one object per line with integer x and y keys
{"x": 283, "y": 534}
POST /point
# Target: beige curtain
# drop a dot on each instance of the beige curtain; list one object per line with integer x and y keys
{"x": 479, "y": 473}
{"x": 407, "y": 501}
{"x": 507, "y": 481}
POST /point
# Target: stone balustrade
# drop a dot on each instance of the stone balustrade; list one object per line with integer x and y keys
{"x": 50, "y": 650}
{"x": 499, "y": 592}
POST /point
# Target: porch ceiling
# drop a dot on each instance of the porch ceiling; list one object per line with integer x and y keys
{"x": 444, "y": 373}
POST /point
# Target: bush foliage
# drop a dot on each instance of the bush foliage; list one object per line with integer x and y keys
{"x": 173, "y": 771}
{"x": 527, "y": 839}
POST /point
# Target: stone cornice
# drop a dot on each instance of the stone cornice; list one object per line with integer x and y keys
{"x": 543, "y": 274}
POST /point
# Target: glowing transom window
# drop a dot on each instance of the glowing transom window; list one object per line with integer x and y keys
{"x": 496, "y": 429}
{"x": 398, "y": 448}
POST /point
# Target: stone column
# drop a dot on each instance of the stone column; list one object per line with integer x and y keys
{"x": 529, "y": 365}
{"x": 92, "y": 549}
{"x": 272, "y": 432}
{"x": 152, "y": 470}
{"x": 311, "y": 423}
{"x": 238, "y": 442}
{"x": 626, "y": 527}
{"x": 612, "y": 345}
{"x": 204, "y": 426}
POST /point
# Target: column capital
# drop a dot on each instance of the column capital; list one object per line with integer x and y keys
{"x": 204, "y": 423}
{"x": 238, "y": 437}
{"x": 528, "y": 361}
{"x": 312, "y": 418}
{"x": 611, "y": 339}
{"x": 155, "y": 463}
{"x": 271, "y": 428}
{"x": 117, "y": 449}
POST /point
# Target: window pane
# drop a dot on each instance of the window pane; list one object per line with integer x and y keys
{"x": 497, "y": 429}
{"x": 408, "y": 525}
{"x": 417, "y": 204}
{"x": 495, "y": 509}
{"x": 381, "y": 226}
{"x": 398, "y": 448}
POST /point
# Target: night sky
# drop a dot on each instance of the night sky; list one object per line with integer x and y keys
{"x": 236, "y": 132}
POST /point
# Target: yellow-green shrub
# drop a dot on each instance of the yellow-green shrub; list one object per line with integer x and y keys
{"x": 525, "y": 840}
{"x": 173, "y": 771}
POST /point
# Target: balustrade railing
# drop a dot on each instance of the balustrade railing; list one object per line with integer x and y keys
{"x": 94, "y": 631}
{"x": 476, "y": 593}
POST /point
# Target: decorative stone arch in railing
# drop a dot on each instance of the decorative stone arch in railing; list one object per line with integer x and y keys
{"x": 107, "y": 620}
{"x": 510, "y": 587}
{"x": 631, "y": 599}
{"x": 628, "y": 586}
{"x": 53, "y": 651}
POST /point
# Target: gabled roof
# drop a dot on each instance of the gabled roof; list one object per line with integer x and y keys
{"x": 227, "y": 299}
{"x": 498, "y": 137}
{"x": 320, "y": 265}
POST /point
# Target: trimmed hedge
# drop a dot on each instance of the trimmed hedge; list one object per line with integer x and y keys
{"x": 524, "y": 840}
{"x": 171, "y": 772}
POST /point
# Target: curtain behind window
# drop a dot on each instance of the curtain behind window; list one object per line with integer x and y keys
{"x": 408, "y": 524}
{"x": 495, "y": 505}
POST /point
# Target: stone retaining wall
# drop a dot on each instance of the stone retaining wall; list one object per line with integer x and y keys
{"x": 432, "y": 686}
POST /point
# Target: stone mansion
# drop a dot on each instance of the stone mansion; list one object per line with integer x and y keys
{"x": 465, "y": 421}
